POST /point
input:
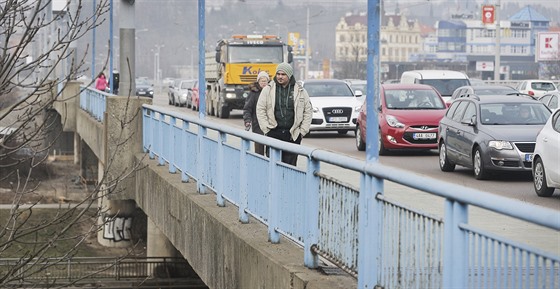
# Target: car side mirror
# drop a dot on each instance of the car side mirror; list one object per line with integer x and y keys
{"x": 472, "y": 121}
{"x": 358, "y": 93}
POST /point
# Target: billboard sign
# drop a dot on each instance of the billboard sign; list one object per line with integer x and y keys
{"x": 488, "y": 14}
{"x": 548, "y": 46}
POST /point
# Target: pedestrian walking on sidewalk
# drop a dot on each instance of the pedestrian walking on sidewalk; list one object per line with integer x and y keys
{"x": 284, "y": 110}
{"x": 250, "y": 108}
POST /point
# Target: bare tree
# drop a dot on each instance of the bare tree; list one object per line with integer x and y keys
{"x": 38, "y": 57}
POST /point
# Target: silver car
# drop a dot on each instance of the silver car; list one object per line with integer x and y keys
{"x": 490, "y": 133}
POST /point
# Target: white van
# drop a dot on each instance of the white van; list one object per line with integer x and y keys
{"x": 445, "y": 81}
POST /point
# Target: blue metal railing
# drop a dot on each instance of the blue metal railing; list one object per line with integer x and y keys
{"x": 413, "y": 250}
{"x": 94, "y": 102}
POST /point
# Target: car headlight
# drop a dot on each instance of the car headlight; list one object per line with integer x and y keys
{"x": 315, "y": 109}
{"x": 357, "y": 108}
{"x": 393, "y": 121}
{"x": 500, "y": 145}
{"x": 230, "y": 95}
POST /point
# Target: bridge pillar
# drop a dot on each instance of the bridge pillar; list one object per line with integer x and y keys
{"x": 158, "y": 244}
{"x": 115, "y": 217}
{"x": 77, "y": 148}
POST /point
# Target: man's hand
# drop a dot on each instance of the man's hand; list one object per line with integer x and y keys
{"x": 247, "y": 126}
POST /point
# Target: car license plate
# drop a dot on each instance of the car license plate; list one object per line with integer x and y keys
{"x": 528, "y": 157}
{"x": 338, "y": 119}
{"x": 141, "y": 92}
{"x": 424, "y": 135}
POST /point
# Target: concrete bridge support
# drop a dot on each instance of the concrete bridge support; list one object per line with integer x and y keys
{"x": 158, "y": 244}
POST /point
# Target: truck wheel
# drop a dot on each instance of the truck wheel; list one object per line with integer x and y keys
{"x": 224, "y": 112}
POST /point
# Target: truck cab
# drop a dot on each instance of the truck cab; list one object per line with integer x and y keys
{"x": 235, "y": 64}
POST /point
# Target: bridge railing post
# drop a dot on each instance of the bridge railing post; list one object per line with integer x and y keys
{"x": 159, "y": 138}
{"x": 243, "y": 182}
{"x": 273, "y": 196}
{"x": 455, "y": 246}
{"x": 172, "y": 144}
{"x": 220, "y": 170}
{"x": 311, "y": 260}
{"x": 370, "y": 222}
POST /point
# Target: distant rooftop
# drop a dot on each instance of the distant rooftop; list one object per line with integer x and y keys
{"x": 528, "y": 14}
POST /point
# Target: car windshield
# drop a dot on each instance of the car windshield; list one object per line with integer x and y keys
{"x": 546, "y": 86}
{"x": 446, "y": 87}
{"x": 327, "y": 89}
{"x": 142, "y": 81}
{"x": 494, "y": 91}
{"x": 413, "y": 99}
{"x": 185, "y": 85}
{"x": 358, "y": 86}
{"x": 513, "y": 113}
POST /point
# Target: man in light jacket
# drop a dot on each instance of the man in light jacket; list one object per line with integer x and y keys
{"x": 284, "y": 110}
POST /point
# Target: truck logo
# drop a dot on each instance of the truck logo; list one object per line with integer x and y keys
{"x": 250, "y": 70}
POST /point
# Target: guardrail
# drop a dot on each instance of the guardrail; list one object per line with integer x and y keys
{"x": 71, "y": 270}
{"x": 359, "y": 229}
{"x": 94, "y": 102}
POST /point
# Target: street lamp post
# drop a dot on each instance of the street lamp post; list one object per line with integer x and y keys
{"x": 157, "y": 71}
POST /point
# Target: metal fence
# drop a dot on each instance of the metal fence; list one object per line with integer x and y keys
{"x": 359, "y": 229}
{"x": 94, "y": 102}
{"x": 68, "y": 270}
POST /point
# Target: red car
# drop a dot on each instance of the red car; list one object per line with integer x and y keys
{"x": 408, "y": 117}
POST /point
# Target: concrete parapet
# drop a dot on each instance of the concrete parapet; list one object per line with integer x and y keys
{"x": 67, "y": 105}
{"x": 224, "y": 252}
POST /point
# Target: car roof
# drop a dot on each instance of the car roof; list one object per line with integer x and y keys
{"x": 397, "y": 86}
{"x": 324, "y": 81}
{"x": 436, "y": 74}
{"x": 486, "y": 86}
{"x": 502, "y": 99}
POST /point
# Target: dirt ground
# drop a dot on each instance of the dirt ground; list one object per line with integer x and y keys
{"x": 56, "y": 181}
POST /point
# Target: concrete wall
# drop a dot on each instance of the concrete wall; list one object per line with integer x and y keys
{"x": 67, "y": 105}
{"x": 222, "y": 251}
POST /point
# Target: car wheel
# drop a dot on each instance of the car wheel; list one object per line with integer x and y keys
{"x": 539, "y": 180}
{"x": 360, "y": 143}
{"x": 444, "y": 163}
{"x": 480, "y": 172}
{"x": 382, "y": 149}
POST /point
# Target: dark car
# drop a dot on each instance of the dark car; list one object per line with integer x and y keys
{"x": 408, "y": 117}
{"x": 144, "y": 88}
{"x": 490, "y": 133}
{"x": 551, "y": 100}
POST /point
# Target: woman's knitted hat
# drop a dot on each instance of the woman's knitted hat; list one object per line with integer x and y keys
{"x": 263, "y": 74}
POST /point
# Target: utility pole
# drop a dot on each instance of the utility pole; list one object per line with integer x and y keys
{"x": 498, "y": 48}
{"x": 307, "y": 48}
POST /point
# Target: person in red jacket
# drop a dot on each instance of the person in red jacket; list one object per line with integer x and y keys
{"x": 101, "y": 82}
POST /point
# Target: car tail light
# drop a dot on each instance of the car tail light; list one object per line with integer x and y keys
{"x": 531, "y": 92}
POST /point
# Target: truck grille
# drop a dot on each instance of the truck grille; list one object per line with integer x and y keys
{"x": 248, "y": 78}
